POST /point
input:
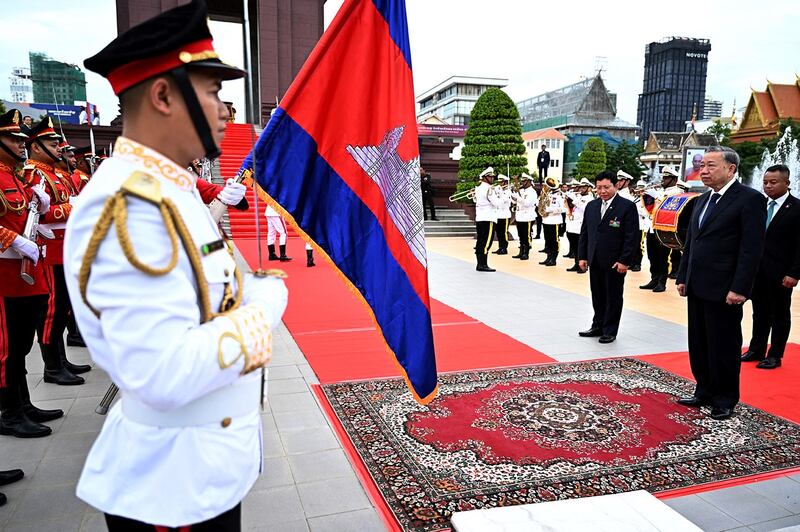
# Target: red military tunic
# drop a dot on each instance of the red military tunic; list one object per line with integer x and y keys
{"x": 59, "y": 187}
{"x": 79, "y": 180}
{"x": 13, "y": 217}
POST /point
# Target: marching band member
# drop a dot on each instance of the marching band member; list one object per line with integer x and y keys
{"x": 41, "y": 169}
{"x": 21, "y": 301}
{"x": 160, "y": 300}
{"x": 526, "y": 200}
{"x": 644, "y": 222}
{"x": 276, "y": 227}
{"x": 623, "y": 185}
{"x": 83, "y": 167}
{"x": 487, "y": 201}
{"x": 552, "y": 205}
{"x": 577, "y": 202}
{"x": 503, "y": 215}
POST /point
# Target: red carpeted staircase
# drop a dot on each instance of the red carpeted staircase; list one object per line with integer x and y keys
{"x": 238, "y": 141}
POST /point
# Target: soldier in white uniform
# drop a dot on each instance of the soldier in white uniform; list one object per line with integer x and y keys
{"x": 525, "y": 200}
{"x": 623, "y": 184}
{"x": 160, "y": 302}
{"x": 576, "y": 202}
{"x": 555, "y": 205}
{"x": 276, "y": 227}
{"x": 503, "y": 215}
{"x": 487, "y": 201}
{"x": 644, "y": 222}
{"x": 673, "y": 185}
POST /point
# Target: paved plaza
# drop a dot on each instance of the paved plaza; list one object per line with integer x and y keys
{"x": 308, "y": 482}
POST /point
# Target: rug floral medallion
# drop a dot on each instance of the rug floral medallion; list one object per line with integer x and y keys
{"x": 548, "y": 432}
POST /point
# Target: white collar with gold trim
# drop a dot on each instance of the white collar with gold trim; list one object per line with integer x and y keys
{"x": 156, "y": 163}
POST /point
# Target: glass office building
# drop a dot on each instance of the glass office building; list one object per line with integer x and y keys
{"x": 674, "y": 82}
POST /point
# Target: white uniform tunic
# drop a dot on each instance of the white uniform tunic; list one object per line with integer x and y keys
{"x": 526, "y": 200}
{"x": 554, "y": 209}
{"x": 574, "y": 224}
{"x": 486, "y": 203}
{"x": 645, "y": 223}
{"x": 150, "y": 341}
{"x": 504, "y": 210}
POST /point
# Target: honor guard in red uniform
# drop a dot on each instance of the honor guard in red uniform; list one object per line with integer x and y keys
{"x": 83, "y": 167}
{"x": 23, "y": 289}
{"x": 44, "y": 155}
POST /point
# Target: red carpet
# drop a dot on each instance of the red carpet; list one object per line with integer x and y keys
{"x": 545, "y": 432}
{"x": 337, "y": 336}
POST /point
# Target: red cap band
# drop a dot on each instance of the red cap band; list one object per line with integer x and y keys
{"x": 127, "y": 76}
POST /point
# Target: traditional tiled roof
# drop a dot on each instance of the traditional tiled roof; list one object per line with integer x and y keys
{"x": 548, "y": 133}
{"x": 766, "y": 109}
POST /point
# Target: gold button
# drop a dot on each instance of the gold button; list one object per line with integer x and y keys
{"x": 185, "y": 57}
{"x": 225, "y": 422}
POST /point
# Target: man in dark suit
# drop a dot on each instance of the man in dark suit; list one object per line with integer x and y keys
{"x": 723, "y": 249}
{"x": 543, "y": 162}
{"x": 609, "y": 237}
{"x": 778, "y": 272}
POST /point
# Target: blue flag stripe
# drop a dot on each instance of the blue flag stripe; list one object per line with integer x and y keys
{"x": 394, "y": 12}
{"x": 338, "y": 221}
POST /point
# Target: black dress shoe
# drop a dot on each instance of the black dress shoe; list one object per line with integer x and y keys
{"x": 607, "y": 338}
{"x": 551, "y": 262}
{"x": 482, "y": 268}
{"x": 12, "y": 475}
{"x": 660, "y": 287}
{"x": 76, "y": 369}
{"x": 579, "y": 270}
{"x": 575, "y": 268}
{"x": 62, "y": 377}
{"x": 769, "y": 363}
{"x": 500, "y": 252}
{"x": 751, "y": 356}
{"x": 22, "y": 427}
{"x": 542, "y": 251}
{"x": 720, "y": 412}
{"x": 284, "y": 258}
{"x": 591, "y": 333}
{"x": 673, "y": 275}
{"x": 40, "y": 415}
{"x": 649, "y": 286}
{"x": 691, "y": 400}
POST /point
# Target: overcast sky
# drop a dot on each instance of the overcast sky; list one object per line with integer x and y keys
{"x": 538, "y": 46}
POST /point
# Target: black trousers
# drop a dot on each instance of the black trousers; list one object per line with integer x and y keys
{"x": 53, "y": 322}
{"x": 573, "y": 239}
{"x": 607, "y": 286}
{"x": 524, "y": 230}
{"x": 230, "y": 521}
{"x": 501, "y": 232}
{"x": 538, "y": 226}
{"x": 657, "y": 254}
{"x": 638, "y": 253}
{"x": 484, "y": 242}
{"x": 427, "y": 201}
{"x": 551, "y": 239}
{"x": 18, "y": 318}
{"x": 674, "y": 259}
{"x": 542, "y": 173}
{"x": 772, "y": 311}
{"x": 715, "y": 349}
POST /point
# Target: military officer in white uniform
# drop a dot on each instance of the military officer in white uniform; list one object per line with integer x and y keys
{"x": 555, "y": 205}
{"x": 487, "y": 201}
{"x": 503, "y": 215}
{"x": 526, "y": 200}
{"x": 158, "y": 297}
{"x": 576, "y": 202}
{"x": 623, "y": 184}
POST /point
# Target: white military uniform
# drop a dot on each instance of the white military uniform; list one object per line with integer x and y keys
{"x": 487, "y": 203}
{"x": 183, "y": 444}
{"x": 579, "y": 201}
{"x": 554, "y": 209}
{"x": 526, "y": 200}
{"x": 275, "y": 226}
{"x": 625, "y": 193}
{"x": 504, "y": 208}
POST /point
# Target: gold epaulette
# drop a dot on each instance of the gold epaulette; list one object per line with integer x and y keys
{"x": 143, "y": 186}
{"x": 274, "y": 272}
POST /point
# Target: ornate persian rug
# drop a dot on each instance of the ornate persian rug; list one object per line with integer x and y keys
{"x": 547, "y": 432}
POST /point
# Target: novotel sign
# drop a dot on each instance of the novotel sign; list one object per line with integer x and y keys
{"x": 697, "y": 55}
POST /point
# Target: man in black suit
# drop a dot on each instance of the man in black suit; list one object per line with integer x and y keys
{"x": 609, "y": 237}
{"x": 543, "y": 162}
{"x": 778, "y": 272}
{"x": 723, "y": 249}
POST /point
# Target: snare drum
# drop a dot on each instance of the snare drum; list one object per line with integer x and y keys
{"x": 671, "y": 219}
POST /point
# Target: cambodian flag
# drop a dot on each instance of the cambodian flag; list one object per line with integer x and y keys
{"x": 340, "y": 157}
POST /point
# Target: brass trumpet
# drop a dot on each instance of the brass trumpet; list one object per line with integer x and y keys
{"x": 460, "y": 197}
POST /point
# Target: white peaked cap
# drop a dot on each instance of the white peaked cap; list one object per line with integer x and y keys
{"x": 486, "y": 172}
{"x": 503, "y": 177}
{"x": 622, "y": 174}
{"x": 669, "y": 170}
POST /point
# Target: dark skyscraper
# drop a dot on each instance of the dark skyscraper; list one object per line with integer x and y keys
{"x": 674, "y": 81}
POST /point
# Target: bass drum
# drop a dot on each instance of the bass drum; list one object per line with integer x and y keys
{"x": 671, "y": 219}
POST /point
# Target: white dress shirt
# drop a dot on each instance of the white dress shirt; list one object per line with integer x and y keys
{"x": 721, "y": 193}
{"x": 150, "y": 341}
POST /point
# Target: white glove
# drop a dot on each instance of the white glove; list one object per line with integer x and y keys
{"x": 44, "y": 198}
{"x": 268, "y": 292}
{"x": 232, "y": 193}
{"x": 72, "y": 200}
{"x": 26, "y": 248}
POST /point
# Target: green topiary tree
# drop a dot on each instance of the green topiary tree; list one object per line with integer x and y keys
{"x": 592, "y": 159}
{"x": 493, "y": 138}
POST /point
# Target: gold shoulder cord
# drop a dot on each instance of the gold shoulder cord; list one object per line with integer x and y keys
{"x": 144, "y": 186}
